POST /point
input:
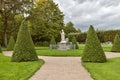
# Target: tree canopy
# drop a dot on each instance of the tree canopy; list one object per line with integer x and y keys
{"x": 8, "y": 10}
{"x": 46, "y": 20}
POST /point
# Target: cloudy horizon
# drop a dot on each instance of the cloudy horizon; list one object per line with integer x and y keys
{"x": 102, "y": 14}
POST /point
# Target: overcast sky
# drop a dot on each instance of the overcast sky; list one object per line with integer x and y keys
{"x": 102, "y": 14}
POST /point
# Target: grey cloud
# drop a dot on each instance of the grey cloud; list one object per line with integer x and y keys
{"x": 110, "y": 2}
{"x": 102, "y": 2}
{"x": 103, "y": 14}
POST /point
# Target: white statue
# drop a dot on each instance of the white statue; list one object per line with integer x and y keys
{"x": 62, "y": 36}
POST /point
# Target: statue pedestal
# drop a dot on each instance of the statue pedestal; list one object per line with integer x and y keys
{"x": 63, "y": 45}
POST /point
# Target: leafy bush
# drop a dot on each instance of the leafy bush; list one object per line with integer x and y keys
{"x": 0, "y": 49}
{"x": 45, "y": 44}
{"x": 11, "y": 44}
{"x": 24, "y": 47}
{"x": 116, "y": 44}
{"x": 52, "y": 41}
{"x": 93, "y": 51}
{"x": 74, "y": 42}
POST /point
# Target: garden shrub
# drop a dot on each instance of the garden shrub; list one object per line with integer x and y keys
{"x": 24, "y": 47}
{"x": 116, "y": 44}
{"x": 93, "y": 51}
{"x": 11, "y": 44}
{"x": 0, "y": 49}
{"x": 74, "y": 42}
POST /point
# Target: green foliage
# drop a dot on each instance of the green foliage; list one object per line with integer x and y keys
{"x": 78, "y": 30}
{"x": 8, "y": 10}
{"x": 74, "y": 42}
{"x": 82, "y": 37}
{"x": 69, "y": 28}
{"x": 93, "y": 51}
{"x": 46, "y": 44}
{"x": 0, "y": 49}
{"x": 101, "y": 35}
{"x": 116, "y": 44}
{"x": 104, "y": 71}
{"x": 11, "y": 44}
{"x": 110, "y": 35}
{"x": 24, "y": 47}
{"x": 104, "y": 36}
{"x": 46, "y": 20}
{"x": 52, "y": 41}
{"x": 17, "y": 71}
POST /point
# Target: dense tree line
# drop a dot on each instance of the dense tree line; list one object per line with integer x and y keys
{"x": 8, "y": 11}
{"x": 44, "y": 20}
{"x": 104, "y": 36}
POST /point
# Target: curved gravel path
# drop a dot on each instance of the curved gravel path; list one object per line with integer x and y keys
{"x": 63, "y": 68}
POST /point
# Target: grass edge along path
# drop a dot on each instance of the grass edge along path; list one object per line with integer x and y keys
{"x": 17, "y": 71}
{"x": 45, "y": 51}
{"x": 104, "y": 71}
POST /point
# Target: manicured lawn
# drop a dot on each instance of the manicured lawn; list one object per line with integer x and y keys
{"x": 107, "y": 47}
{"x": 59, "y": 53}
{"x": 17, "y": 71}
{"x": 41, "y": 48}
{"x": 105, "y": 71}
{"x": 45, "y": 51}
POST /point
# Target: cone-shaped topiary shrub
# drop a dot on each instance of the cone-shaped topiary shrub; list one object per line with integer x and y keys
{"x": 74, "y": 42}
{"x": 116, "y": 44}
{"x": 52, "y": 41}
{"x": 93, "y": 51}
{"x": 24, "y": 47}
{"x": 0, "y": 49}
{"x": 11, "y": 44}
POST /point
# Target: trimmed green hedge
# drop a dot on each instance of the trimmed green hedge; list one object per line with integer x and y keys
{"x": 74, "y": 42}
{"x": 11, "y": 44}
{"x": 0, "y": 49}
{"x": 93, "y": 51}
{"x": 116, "y": 44}
{"x": 24, "y": 47}
{"x": 52, "y": 41}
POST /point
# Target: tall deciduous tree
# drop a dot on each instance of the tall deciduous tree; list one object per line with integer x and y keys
{"x": 8, "y": 10}
{"x": 46, "y": 20}
{"x": 69, "y": 28}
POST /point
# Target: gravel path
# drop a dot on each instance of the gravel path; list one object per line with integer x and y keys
{"x": 63, "y": 68}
